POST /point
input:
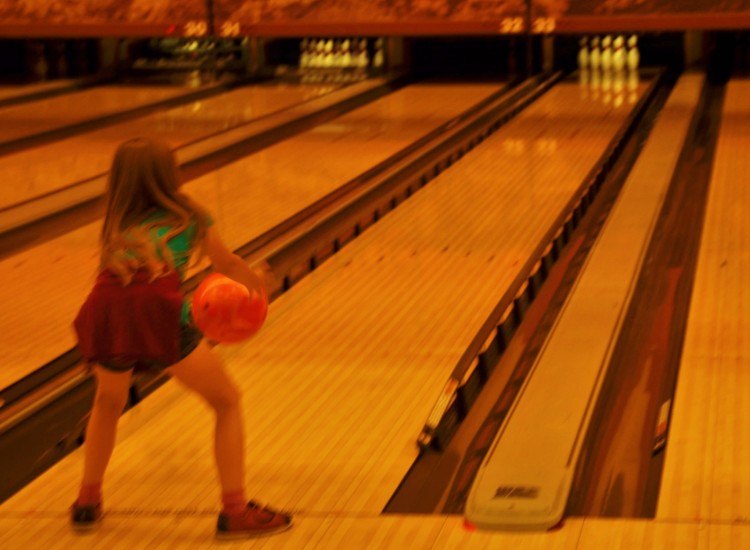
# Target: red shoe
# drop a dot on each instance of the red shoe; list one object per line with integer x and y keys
{"x": 85, "y": 518}
{"x": 255, "y": 521}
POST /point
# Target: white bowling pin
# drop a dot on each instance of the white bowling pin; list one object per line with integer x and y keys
{"x": 363, "y": 58}
{"x": 346, "y": 54}
{"x": 634, "y": 56}
{"x": 583, "y": 54}
{"x": 328, "y": 59}
{"x": 618, "y": 54}
{"x": 595, "y": 54}
{"x": 339, "y": 53}
{"x": 320, "y": 53}
{"x": 607, "y": 53}
{"x": 378, "y": 58}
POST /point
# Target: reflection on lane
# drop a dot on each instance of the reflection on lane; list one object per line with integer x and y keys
{"x": 34, "y": 172}
{"x": 17, "y": 121}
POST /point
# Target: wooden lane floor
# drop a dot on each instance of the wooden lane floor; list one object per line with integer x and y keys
{"x": 706, "y": 475}
{"x": 340, "y": 380}
{"x": 372, "y": 533}
{"x": 26, "y": 119}
{"x": 193, "y": 530}
{"x": 18, "y": 92}
{"x": 50, "y": 167}
{"x": 47, "y": 283}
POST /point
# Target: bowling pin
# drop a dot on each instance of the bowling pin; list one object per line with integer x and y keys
{"x": 595, "y": 54}
{"x": 583, "y": 54}
{"x": 378, "y": 58}
{"x": 321, "y": 52}
{"x": 364, "y": 54}
{"x": 346, "y": 54}
{"x": 320, "y": 49}
{"x": 312, "y": 52}
{"x": 634, "y": 56}
{"x": 618, "y": 54}
{"x": 360, "y": 58}
{"x": 607, "y": 53}
{"x": 328, "y": 53}
{"x": 338, "y": 53}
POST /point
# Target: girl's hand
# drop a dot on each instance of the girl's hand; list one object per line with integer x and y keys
{"x": 264, "y": 272}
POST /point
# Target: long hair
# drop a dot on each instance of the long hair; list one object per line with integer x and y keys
{"x": 143, "y": 180}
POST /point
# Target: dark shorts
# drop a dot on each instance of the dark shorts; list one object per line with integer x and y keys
{"x": 190, "y": 337}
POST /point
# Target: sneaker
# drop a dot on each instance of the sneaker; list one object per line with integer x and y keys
{"x": 255, "y": 521}
{"x": 84, "y": 518}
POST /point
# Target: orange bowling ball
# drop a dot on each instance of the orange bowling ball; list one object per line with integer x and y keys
{"x": 226, "y": 311}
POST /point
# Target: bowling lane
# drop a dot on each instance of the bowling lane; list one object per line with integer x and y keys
{"x": 46, "y": 284}
{"x": 18, "y": 91}
{"x": 27, "y": 119}
{"x": 50, "y": 167}
{"x": 340, "y": 380}
{"x": 706, "y": 470}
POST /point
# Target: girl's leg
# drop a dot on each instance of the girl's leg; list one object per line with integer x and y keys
{"x": 109, "y": 402}
{"x": 202, "y": 372}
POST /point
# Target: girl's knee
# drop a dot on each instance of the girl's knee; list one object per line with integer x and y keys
{"x": 112, "y": 390}
{"x": 111, "y": 401}
{"x": 226, "y": 400}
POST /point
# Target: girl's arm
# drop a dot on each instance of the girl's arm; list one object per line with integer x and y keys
{"x": 230, "y": 264}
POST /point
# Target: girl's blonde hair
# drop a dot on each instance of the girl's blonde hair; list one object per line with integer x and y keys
{"x": 143, "y": 180}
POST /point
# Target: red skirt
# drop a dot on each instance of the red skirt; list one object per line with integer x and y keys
{"x": 136, "y": 323}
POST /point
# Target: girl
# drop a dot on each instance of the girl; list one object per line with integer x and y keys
{"x": 135, "y": 318}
